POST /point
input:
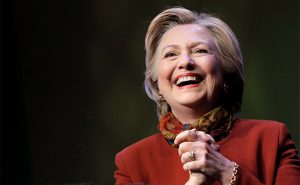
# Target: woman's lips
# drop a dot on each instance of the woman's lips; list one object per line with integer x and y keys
{"x": 188, "y": 79}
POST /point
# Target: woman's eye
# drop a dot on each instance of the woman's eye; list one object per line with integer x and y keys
{"x": 170, "y": 54}
{"x": 201, "y": 51}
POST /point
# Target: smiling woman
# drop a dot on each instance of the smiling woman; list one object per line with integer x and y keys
{"x": 192, "y": 56}
{"x": 194, "y": 73}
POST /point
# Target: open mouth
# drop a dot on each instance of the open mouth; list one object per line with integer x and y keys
{"x": 188, "y": 79}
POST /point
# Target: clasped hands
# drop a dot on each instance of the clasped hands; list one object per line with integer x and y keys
{"x": 200, "y": 156}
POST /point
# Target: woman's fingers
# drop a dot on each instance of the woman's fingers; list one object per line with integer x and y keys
{"x": 187, "y": 135}
{"x": 199, "y": 154}
{"x": 189, "y": 157}
{"x": 193, "y": 135}
{"x": 199, "y": 146}
{"x": 186, "y": 157}
{"x": 202, "y": 165}
{"x": 205, "y": 160}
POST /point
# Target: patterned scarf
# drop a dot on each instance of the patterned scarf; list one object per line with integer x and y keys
{"x": 217, "y": 123}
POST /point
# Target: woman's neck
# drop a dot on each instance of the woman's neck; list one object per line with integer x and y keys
{"x": 188, "y": 114}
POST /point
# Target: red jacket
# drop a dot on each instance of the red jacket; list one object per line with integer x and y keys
{"x": 263, "y": 149}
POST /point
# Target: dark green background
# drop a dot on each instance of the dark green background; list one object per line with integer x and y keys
{"x": 72, "y": 80}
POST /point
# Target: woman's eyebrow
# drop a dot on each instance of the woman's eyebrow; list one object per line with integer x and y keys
{"x": 193, "y": 44}
{"x": 170, "y": 46}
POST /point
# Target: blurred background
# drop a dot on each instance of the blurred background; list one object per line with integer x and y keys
{"x": 72, "y": 80}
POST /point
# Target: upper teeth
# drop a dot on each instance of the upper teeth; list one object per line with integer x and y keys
{"x": 185, "y": 78}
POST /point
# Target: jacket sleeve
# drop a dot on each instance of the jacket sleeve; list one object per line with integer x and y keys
{"x": 246, "y": 178}
{"x": 121, "y": 174}
{"x": 288, "y": 163}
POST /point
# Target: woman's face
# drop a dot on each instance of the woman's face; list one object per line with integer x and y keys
{"x": 188, "y": 72}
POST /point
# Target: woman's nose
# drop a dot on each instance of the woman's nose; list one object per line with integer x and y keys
{"x": 187, "y": 62}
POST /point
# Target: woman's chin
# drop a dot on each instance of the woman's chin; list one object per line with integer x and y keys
{"x": 190, "y": 98}
{"x": 193, "y": 102}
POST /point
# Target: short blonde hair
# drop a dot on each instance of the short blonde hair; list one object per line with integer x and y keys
{"x": 228, "y": 54}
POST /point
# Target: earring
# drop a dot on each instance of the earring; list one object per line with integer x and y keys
{"x": 161, "y": 98}
{"x": 225, "y": 86}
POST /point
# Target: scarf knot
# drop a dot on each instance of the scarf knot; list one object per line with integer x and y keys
{"x": 216, "y": 122}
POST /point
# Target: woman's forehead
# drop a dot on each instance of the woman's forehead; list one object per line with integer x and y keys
{"x": 186, "y": 35}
